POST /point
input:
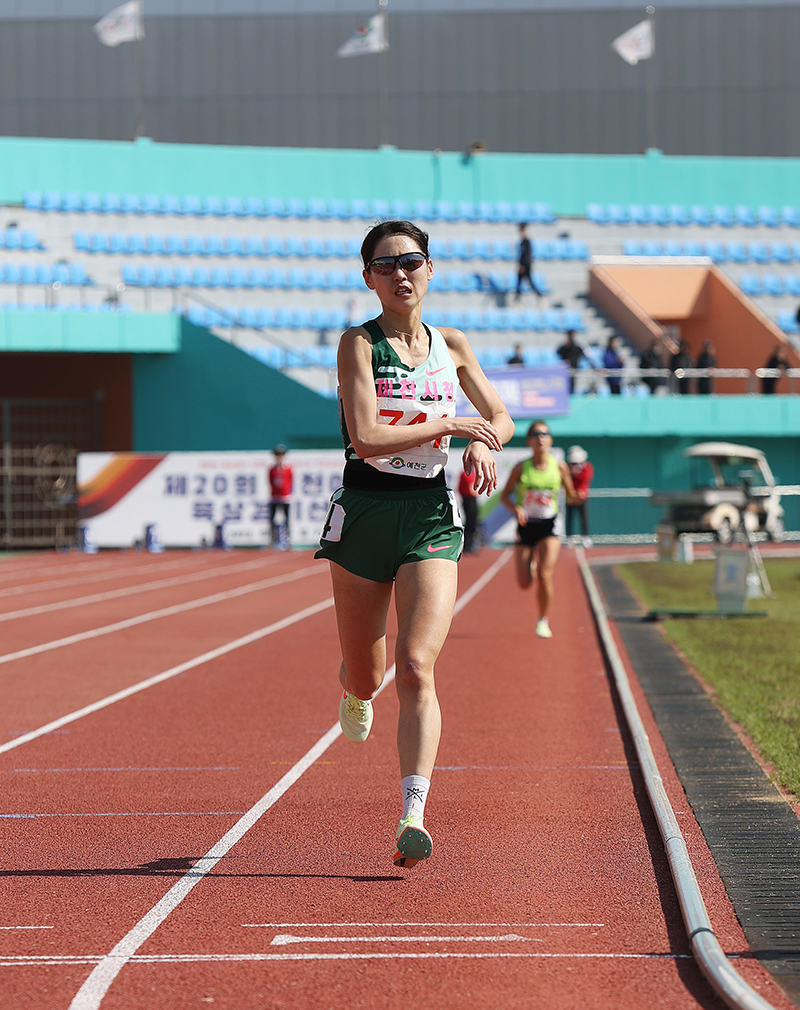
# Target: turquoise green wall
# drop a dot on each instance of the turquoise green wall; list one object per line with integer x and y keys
{"x": 567, "y": 182}
{"x": 212, "y": 396}
{"x": 108, "y": 332}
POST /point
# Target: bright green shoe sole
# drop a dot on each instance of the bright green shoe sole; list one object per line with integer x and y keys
{"x": 413, "y": 845}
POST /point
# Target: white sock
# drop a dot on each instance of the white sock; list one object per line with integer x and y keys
{"x": 415, "y": 791}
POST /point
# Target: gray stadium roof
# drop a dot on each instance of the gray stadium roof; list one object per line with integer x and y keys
{"x": 63, "y": 9}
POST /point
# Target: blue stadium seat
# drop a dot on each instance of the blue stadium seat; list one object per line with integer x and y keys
{"x": 193, "y": 206}
{"x": 147, "y": 277}
{"x": 543, "y": 249}
{"x": 796, "y": 251}
{"x": 117, "y": 242}
{"x": 339, "y": 209}
{"x": 213, "y": 205}
{"x": 439, "y": 282}
{"x": 339, "y": 320}
{"x": 553, "y": 320}
{"x": 238, "y": 278}
{"x": 232, "y": 246}
{"x": 563, "y": 249}
{"x": 51, "y": 200}
{"x": 504, "y": 250}
{"x": 11, "y": 239}
{"x": 737, "y": 252}
{"x": 572, "y": 319}
{"x": 336, "y": 280}
{"x": 750, "y": 285}
{"x": 717, "y": 252}
{"x": 518, "y": 321}
{"x": 673, "y": 249}
{"x": 677, "y": 214}
{"x": 252, "y": 246}
{"x": 254, "y": 207}
{"x": 380, "y": 209}
{"x": 246, "y": 316}
{"x": 296, "y": 208}
{"x": 401, "y": 210}
{"x": 360, "y": 210}
{"x": 130, "y": 204}
{"x": 151, "y": 204}
{"x": 699, "y": 215}
{"x": 274, "y": 246}
{"x": 257, "y": 278}
{"x": 11, "y": 274}
{"x": 790, "y": 217}
{"x": 130, "y": 277}
{"x": 134, "y": 244}
{"x": 334, "y": 248}
{"x": 466, "y": 211}
{"x": 631, "y": 248}
{"x": 319, "y": 209}
{"x": 316, "y": 280}
{"x": 460, "y": 249}
{"x": 98, "y": 242}
{"x": 201, "y": 277}
{"x": 497, "y": 319}
{"x": 423, "y": 210}
{"x": 183, "y": 277}
{"x": 171, "y": 205}
{"x": 80, "y": 241}
{"x": 474, "y": 320}
{"x": 596, "y": 213}
{"x": 233, "y": 206}
{"x": 617, "y": 214}
{"x": 353, "y": 246}
{"x": 787, "y": 320}
{"x": 773, "y": 284}
{"x": 651, "y": 248}
{"x": 768, "y": 216}
{"x": 534, "y": 320}
{"x": 580, "y": 250}
{"x": 219, "y": 278}
{"x": 32, "y": 199}
{"x": 487, "y": 211}
{"x": 759, "y": 253}
{"x": 523, "y": 212}
{"x": 210, "y": 245}
{"x": 542, "y": 213}
{"x": 792, "y": 285}
{"x": 781, "y": 252}
{"x": 745, "y": 216}
{"x": 91, "y": 202}
{"x": 658, "y": 214}
{"x": 277, "y": 278}
{"x": 482, "y": 250}
{"x": 454, "y": 319}
{"x": 300, "y": 319}
{"x": 61, "y": 273}
{"x": 164, "y": 278}
{"x": 638, "y": 214}
{"x": 539, "y": 279}
{"x": 320, "y": 320}
{"x": 110, "y": 203}
{"x": 722, "y": 216}
{"x": 445, "y": 210}
{"x": 316, "y": 247}
{"x": 71, "y": 203}
{"x": 44, "y": 274}
{"x": 275, "y": 207}
{"x": 355, "y": 280}
{"x": 693, "y": 249}
{"x": 156, "y": 245}
{"x": 439, "y": 249}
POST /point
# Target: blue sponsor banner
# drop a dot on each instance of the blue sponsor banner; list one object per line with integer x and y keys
{"x": 527, "y": 392}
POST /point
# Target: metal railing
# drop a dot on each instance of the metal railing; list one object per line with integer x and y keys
{"x": 586, "y": 379}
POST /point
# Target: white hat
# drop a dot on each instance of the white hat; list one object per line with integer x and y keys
{"x": 575, "y": 454}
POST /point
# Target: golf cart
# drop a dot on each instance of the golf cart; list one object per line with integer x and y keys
{"x": 742, "y": 486}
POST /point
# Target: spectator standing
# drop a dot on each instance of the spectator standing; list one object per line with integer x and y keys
{"x": 778, "y": 361}
{"x": 652, "y": 359}
{"x": 707, "y": 359}
{"x": 681, "y": 359}
{"x": 280, "y": 483}
{"x": 525, "y": 262}
{"x": 582, "y": 472}
{"x": 612, "y": 360}
{"x": 517, "y": 358}
{"x": 571, "y": 353}
{"x": 469, "y": 505}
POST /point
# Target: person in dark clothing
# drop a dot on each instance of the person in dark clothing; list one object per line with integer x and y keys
{"x": 707, "y": 359}
{"x": 525, "y": 262}
{"x": 571, "y": 353}
{"x": 611, "y": 359}
{"x": 517, "y": 358}
{"x": 681, "y": 359}
{"x": 652, "y": 359}
{"x": 777, "y": 361}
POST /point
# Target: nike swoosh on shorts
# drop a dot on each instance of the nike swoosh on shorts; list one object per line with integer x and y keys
{"x": 433, "y": 550}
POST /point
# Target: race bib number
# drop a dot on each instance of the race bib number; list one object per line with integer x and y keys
{"x": 539, "y": 504}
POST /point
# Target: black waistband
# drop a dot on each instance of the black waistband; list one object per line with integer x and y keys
{"x": 360, "y": 476}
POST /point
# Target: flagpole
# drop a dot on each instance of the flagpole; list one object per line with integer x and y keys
{"x": 649, "y": 82}
{"x": 382, "y": 118}
{"x": 139, "y": 113}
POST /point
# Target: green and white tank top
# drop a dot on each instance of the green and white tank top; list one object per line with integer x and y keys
{"x": 537, "y": 491}
{"x": 410, "y": 396}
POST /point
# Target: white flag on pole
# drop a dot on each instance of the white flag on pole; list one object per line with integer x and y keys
{"x": 636, "y": 43}
{"x": 370, "y": 38}
{"x": 123, "y": 24}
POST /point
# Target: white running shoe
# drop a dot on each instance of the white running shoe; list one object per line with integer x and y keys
{"x": 413, "y": 843}
{"x": 355, "y": 717}
{"x": 543, "y": 629}
{"x": 587, "y": 542}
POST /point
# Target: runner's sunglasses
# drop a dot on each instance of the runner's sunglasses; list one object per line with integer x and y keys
{"x": 386, "y": 265}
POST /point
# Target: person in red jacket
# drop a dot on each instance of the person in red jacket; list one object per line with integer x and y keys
{"x": 469, "y": 506}
{"x": 280, "y": 482}
{"x": 582, "y": 472}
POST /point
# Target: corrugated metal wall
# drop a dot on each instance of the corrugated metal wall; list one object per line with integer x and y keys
{"x": 727, "y": 82}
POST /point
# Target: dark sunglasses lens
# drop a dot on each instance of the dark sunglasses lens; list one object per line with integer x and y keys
{"x": 384, "y": 266}
{"x": 411, "y": 262}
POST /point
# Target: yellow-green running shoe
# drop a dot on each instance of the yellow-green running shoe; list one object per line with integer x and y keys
{"x": 413, "y": 843}
{"x": 355, "y": 717}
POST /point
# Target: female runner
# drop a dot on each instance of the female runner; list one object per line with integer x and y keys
{"x": 535, "y": 484}
{"x": 394, "y": 520}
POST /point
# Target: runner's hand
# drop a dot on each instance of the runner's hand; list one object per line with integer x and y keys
{"x": 479, "y": 460}
{"x": 476, "y": 429}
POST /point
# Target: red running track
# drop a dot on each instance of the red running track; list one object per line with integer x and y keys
{"x": 548, "y": 886}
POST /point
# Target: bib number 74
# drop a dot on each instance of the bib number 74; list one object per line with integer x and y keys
{"x": 396, "y": 417}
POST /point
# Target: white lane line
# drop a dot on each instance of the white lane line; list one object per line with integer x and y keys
{"x": 21, "y": 960}
{"x": 130, "y": 813}
{"x": 91, "y": 993}
{"x": 159, "y": 678}
{"x": 115, "y": 594}
{"x": 449, "y": 925}
{"x": 154, "y": 615}
{"x": 27, "y": 927}
{"x": 187, "y": 768}
{"x": 105, "y": 575}
{"x": 283, "y": 939}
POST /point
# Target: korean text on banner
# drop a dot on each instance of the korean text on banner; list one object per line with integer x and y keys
{"x": 527, "y": 392}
